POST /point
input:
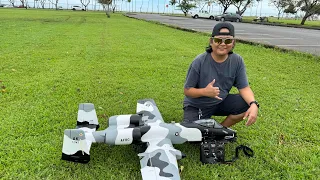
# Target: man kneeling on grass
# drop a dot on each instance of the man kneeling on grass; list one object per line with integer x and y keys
{"x": 210, "y": 78}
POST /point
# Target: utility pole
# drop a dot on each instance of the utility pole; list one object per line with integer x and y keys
{"x": 164, "y": 7}
{"x": 260, "y": 8}
{"x": 92, "y": 5}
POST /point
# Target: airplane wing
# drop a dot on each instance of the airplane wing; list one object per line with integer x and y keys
{"x": 149, "y": 110}
{"x": 159, "y": 161}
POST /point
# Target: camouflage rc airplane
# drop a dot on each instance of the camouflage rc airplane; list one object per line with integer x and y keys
{"x": 159, "y": 161}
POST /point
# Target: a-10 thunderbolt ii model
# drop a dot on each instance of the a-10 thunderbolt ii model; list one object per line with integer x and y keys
{"x": 159, "y": 160}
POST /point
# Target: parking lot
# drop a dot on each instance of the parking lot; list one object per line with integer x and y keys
{"x": 304, "y": 40}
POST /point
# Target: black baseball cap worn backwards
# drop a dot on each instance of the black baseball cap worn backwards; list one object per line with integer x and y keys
{"x": 221, "y": 25}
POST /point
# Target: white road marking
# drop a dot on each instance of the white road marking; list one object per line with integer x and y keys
{"x": 300, "y": 45}
{"x": 271, "y": 38}
{"x": 256, "y": 34}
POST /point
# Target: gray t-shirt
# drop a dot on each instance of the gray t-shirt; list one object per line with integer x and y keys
{"x": 204, "y": 69}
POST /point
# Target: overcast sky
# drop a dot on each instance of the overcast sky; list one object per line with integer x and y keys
{"x": 159, "y": 6}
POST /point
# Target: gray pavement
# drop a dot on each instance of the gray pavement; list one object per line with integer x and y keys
{"x": 304, "y": 40}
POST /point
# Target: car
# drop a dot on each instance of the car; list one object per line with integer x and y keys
{"x": 229, "y": 17}
{"x": 8, "y": 6}
{"x": 77, "y": 8}
{"x": 202, "y": 14}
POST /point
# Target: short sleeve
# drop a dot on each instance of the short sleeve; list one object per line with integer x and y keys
{"x": 241, "y": 80}
{"x": 192, "y": 78}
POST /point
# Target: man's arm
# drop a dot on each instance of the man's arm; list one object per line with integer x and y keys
{"x": 247, "y": 94}
{"x": 194, "y": 92}
{"x": 209, "y": 91}
{"x": 252, "y": 113}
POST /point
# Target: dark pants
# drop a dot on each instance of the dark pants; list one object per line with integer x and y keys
{"x": 233, "y": 104}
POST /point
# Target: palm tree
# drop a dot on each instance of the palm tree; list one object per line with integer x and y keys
{"x": 121, "y": 5}
{"x": 129, "y": 1}
{"x": 141, "y": 6}
{"x": 260, "y": 8}
{"x": 257, "y": 7}
{"x": 173, "y": 3}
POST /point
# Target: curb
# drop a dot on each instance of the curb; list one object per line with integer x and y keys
{"x": 285, "y": 50}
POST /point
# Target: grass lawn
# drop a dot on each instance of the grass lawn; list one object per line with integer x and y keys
{"x": 50, "y": 61}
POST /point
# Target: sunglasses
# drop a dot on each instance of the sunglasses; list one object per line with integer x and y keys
{"x": 222, "y": 40}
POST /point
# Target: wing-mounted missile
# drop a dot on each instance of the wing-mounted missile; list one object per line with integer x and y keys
{"x": 77, "y": 142}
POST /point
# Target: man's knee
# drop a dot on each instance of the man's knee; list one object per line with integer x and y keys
{"x": 190, "y": 117}
{"x": 191, "y": 114}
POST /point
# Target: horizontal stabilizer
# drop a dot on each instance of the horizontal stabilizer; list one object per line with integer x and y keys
{"x": 75, "y": 147}
{"x": 87, "y": 116}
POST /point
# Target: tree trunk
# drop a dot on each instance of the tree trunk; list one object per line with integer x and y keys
{"x": 225, "y": 9}
{"x": 243, "y": 10}
{"x": 238, "y": 11}
{"x": 279, "y": 15}
{"x": 245, "y": 7}
{"x": 305, "y": 18}
{"x": 173, "y": 6}
{"x": 107, "y": 12}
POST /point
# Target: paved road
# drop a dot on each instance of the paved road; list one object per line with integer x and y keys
{"x": 305, "y": 40}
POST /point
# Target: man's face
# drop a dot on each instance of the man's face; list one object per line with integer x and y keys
{"x": 222, "y": 44}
